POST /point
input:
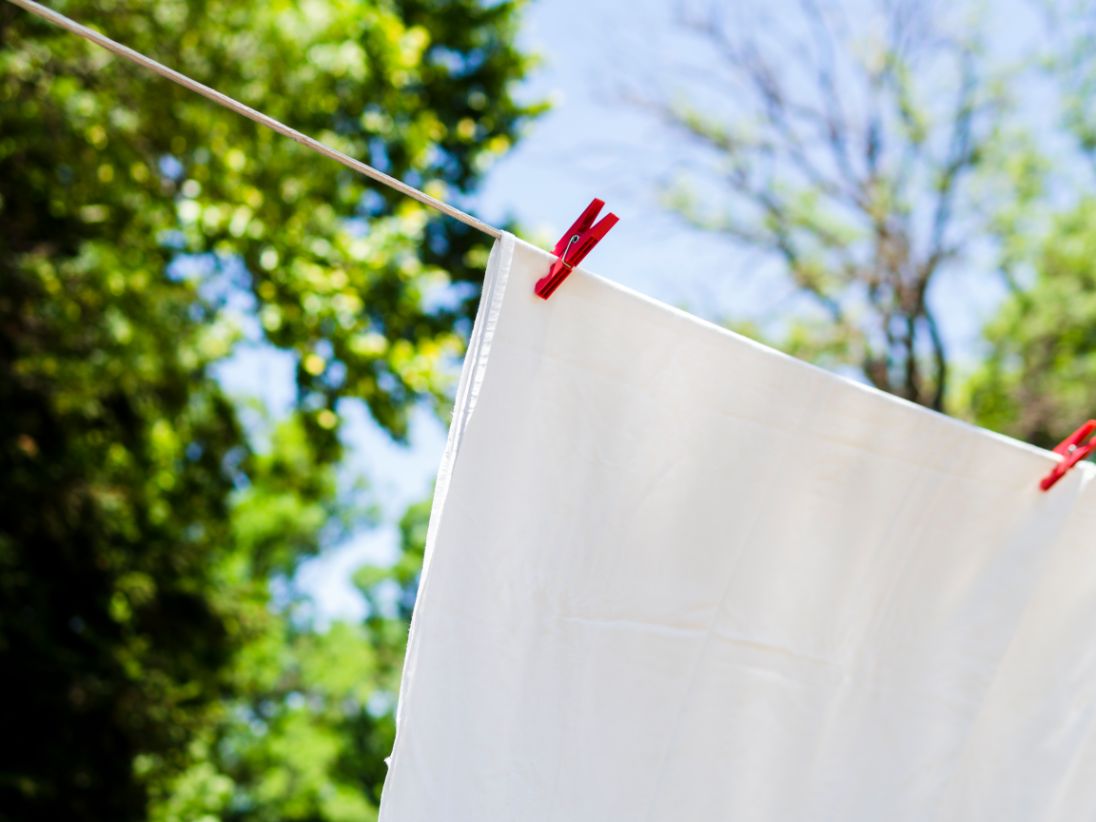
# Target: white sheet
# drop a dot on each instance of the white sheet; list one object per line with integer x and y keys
{"x": 675, "y": 575}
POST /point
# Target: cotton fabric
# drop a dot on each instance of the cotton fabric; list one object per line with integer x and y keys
{"x": 675, "y": 575}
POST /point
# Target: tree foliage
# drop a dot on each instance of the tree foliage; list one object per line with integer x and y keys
{"x": 148, "y": 667}
{"x": 843, "y": 141}
{"x": 1036, "y": 382}
{"x": 1035, "y": 378}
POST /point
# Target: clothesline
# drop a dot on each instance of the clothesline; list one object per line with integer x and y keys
{"x": 252, "y": 114}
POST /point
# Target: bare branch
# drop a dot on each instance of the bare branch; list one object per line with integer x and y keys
{"x": 837, "y": 157}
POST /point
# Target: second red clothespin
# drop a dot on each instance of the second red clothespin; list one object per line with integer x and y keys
{"x": 1072, "y": 452}
{"x": 575, "y": 244}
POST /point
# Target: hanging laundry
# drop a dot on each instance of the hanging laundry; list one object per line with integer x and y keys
{"x": 675, "y": 575}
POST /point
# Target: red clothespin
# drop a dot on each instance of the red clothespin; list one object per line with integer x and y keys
{"x": 580, "y": 238}
{"x": 1072, "y": 451}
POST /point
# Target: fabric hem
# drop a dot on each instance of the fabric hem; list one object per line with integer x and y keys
{"x": 468, "y": 388}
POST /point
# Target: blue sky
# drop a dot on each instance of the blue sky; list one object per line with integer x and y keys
{"x": 592, "y": 143}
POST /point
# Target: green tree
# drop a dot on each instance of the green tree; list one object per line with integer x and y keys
{"x": 1039, "y": 360}
{"x": 309, "y": 739}
{"x": 1036, "y": 380}
{"x": 146, "y": 234}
